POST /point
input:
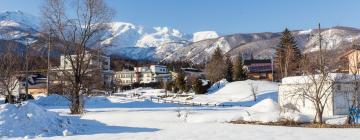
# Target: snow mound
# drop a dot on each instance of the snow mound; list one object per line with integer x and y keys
{"x": 267, "y": 105}
{"x": 218, "y": 85}
{"x": 203, "y": 35}
{"x": 30, "y": 120}
{"x": 239, "y": 92}
{"x": 337, "y": 121}
{"x": 52, "y": 100}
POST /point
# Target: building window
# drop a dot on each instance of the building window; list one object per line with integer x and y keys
{"x": 338, "y": 87}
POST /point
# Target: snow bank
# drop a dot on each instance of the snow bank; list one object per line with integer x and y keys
{"x": 336, "y": 120}
{"x": 217, "y": 86}
{"x": 265, "y": 111}
{"x": 266, "y": 105}
{"x": 30, "y": 120}
{"x": 52, "y": 100}
{"x": 239, "y": 93}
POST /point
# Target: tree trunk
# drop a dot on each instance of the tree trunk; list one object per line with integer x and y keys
{"x": 318, "y": 118}
{"x": 10, "y": 99}
{"x": 319, "y": 115}
{"x": 348, "y": 119}
{"x": 76, "y": 102}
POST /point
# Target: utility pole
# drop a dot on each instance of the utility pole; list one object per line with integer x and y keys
{"x": 272, "y": 69}
{"x": 49, "y": 65}
{"x": 26, "y": 68}
{"x": 320, "y": 51}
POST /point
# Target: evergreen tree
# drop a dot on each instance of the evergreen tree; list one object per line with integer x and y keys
{"x": 199, "y": 88}
{"x": 215, "y": 70}
{"x": 239, "y": 71}
{"x": 229, "y": 69}
{"x": 288, "y": 56}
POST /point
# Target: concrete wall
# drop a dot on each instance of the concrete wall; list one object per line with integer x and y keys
{"x": 338, "y": 103}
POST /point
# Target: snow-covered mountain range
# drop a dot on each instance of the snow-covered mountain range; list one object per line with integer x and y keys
{"x": 166, "y": 44}
{"x": 15, "y": 25}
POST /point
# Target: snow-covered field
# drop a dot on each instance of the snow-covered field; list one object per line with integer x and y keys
{"x": 116, "y": 117}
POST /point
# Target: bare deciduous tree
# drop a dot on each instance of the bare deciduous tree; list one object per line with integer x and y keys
{"x": 318, "y": 80}
{"x": 78, "y": 27}
{"x": 254, "y": 90}
{"x": 10, "y": 64}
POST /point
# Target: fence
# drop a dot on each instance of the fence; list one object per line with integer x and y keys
{"x": 161, "y": 100}
{"x": 185, "y": 103}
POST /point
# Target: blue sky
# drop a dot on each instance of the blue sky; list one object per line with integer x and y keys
{"x": 224, "y": 16}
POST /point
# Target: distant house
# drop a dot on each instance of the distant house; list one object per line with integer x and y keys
{"x": 37, "y": 84}
{"x": 340, "y": 94}
{"x": 259, "y": 68}
{"x": 352, "y": 58}
{"x": 154, "y": 73}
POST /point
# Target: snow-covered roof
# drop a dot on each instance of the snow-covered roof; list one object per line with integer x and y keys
{"x": 332, "y": 77}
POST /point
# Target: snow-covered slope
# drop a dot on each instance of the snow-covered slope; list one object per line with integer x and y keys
{"x": 239, "y": 93}
{"x": 262, "y": 45}
{"x": 18, "y": 19}
{"x": 15, "y": 25}
{"x": 333, "y": 38}
{"x": 139, "y": 42}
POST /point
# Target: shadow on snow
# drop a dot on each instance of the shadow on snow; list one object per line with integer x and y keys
{"x": 92, "y": 127}
{"x": 269, "y": 95}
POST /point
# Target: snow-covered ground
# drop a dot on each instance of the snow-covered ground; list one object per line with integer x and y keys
{"x": 117, "y": 117}
{"x": 236, "y": 93}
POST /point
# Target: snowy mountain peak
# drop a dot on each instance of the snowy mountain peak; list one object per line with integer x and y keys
{"x": 18, "y": 18}
{"x": 169, "y": 31}
{"x": 203, "y": 35}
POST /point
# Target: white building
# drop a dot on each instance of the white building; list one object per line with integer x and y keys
{"x": 154, "y": 73}
{"x": 99, "y": 61}
{"x": 96, "y": 62}
{"x": 339, "y": 88}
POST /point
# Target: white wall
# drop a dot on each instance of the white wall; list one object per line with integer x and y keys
{"x": 305, "y": 106}
{"x": 158, "y": 69}
{"x": 338, "y": 103}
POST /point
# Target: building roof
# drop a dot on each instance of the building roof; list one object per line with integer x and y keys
{"x": 353, "y": 49}
{"x": 256, "y": 61}
{"x": 259, "y": 66}
{"x": 190, "y": 70}
{"x": 158, "y": 66}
